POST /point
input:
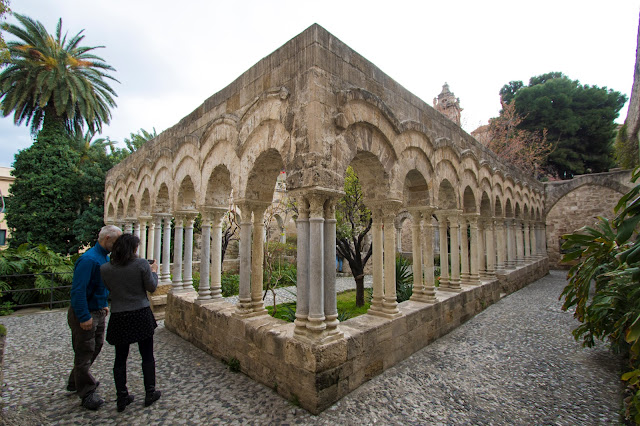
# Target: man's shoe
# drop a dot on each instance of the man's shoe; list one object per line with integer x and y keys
{"x": 71, "y": 387}
{"x": 92, "y": 401}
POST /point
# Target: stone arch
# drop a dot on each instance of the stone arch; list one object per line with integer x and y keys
{"x": 220, "y": 159}
{"x": 262, "y": 177}
{"x": 145, "y": 203}
{"x": 371, "y": 173}
{"x": 416, "y": 190}
{"x": 218, "y": 188}
{"x": 187, "y": 173}
{"x": 413, "y": 160}
{"x": 508, "y": 209}
{"x": 130, "y": 209}
{"x": 162, "y": 200}
{"x": 447, "y": 196}
{"x": 469, "y": 201}
{"x": 121, "y": 210}
{"x": 485, "y": 205}
{"x": 365, "y": 138}
{"x": 186, "y": 195}
{"x": 498, "y": 211}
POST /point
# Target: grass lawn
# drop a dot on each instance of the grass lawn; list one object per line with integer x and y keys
{"x": 346, "y": 307}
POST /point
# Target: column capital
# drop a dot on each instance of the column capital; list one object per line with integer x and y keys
{"x": 316, "y": 205}
{"x": 145, "y": 217}
{"x": 213, "y": 214}
{"x": 472, "y": 218}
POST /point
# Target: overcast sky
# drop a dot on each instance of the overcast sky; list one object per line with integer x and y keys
{"x": 172, "y": 55}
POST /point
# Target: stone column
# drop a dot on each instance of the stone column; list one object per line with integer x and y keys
{"x": 476, "y": 249}
{"x": 244, "y": 297}
{"x": 416, "y": 243}
{"x": 454, "y": 232}
{"x": 389, "y": 304}
{"x": 482, "y": 265}
{"x": 177, "y": 253}
{"x": 142, "y": 248}
{"x": 534, "y": 240}
{"x": 187, "y": 277}
{"x": 302, "y": 287}
{"x": 398, "y": 238}
{"x": 257, "y": 259}
{"x": 204, "y": 290}
{"x": 464, "y": 250}
{"x": 330, "y": 299}
{"x": 316, "y": 319}
{"x": 216, "y": 252}
{"x": 165, "y": 275}
{"x": 511, "y": 253}
{"x": 377, "y": 260}
{"x": 427, "y": 254}
{"x": 501, "y": 245}
{"x": 527, "y": 242}
{"x": 444, "y": 250}
{"x": 519, "y": 242}
{"x": 491, "y": 247}
{"x": 151, "y": 240}
{"x": 129, "y": 225}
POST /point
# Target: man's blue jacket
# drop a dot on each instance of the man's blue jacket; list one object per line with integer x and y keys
{"x": 88, "y": 292}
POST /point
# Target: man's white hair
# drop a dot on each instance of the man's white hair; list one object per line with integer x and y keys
{"x": 109, "y": 231}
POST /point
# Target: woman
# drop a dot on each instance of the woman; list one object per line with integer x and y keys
{"x": 128, "y": 278}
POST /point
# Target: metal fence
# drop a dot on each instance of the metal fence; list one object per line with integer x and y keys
{"x": 54, "y": 285}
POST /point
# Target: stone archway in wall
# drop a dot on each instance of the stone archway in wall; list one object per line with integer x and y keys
{"x": 575, "y": 209}
{"x": 311, "y": 109}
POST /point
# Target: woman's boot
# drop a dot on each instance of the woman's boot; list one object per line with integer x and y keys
{"x": 122, "y": 393}
{"x": 149, "y": 374}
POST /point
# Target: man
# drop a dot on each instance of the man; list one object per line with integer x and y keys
{"x": 86, "y": 316}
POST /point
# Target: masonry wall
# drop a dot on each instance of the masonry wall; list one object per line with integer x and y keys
{"x": 576, "y": 209}
{"x": 315, "y": 375}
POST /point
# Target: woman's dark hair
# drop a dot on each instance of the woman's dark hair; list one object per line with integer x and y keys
{"x": 124, "y": 249}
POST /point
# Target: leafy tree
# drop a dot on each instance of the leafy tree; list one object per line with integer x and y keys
{"x": 51, "y": 78}
{"x": 353, "y": 223}
{"x": 524, "y": 149}
{"x": 46, "y": 199}
{"x": 579, "y": 120}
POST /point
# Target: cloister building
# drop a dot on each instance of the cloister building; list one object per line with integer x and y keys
{"x": 312, "y": 108}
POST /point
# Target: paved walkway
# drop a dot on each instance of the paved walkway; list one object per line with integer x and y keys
{"x": 516, "y": 363}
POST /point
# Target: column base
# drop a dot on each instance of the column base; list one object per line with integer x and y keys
{"x": 319, "y": 338}
{"x": 452, "y": 289}
{"x": 423, "y": 298}
{"x": 383, "y": 314}
{"x": 209, "y": 300}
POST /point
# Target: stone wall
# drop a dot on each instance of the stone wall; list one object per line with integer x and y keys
{"x": 578, "y": 202}
{"x": 317, "y": 375}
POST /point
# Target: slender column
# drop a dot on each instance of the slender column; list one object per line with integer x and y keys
{"x": 330, "y": 299}
{"x": 389, "y": 304}
{"x": 534, "y": 240}
{"x": 476, "y": 249}
{"x": 444, "y": 250}
{"x": 511, "y": 257}
{"x": 491, "y": 247}
{"x": 519, "y": 242}
{"x": 244, "y": 297}
{"x": 165, "y": 276}
{"x": 464, "y": 251}
{"x": 216, "y": 252}
{"x": 427, "y": 252}
{"x": 316, "y": 320}
{"x": 399, "y": 239}
{"x": 454, "y": 283}
{"x": 527, "y": 242}
{"x": 187, "y": 278}
{"x": 257, "y": 259}
{"x": 482, "y": 265}
{"x": 130, "y": 226}
{"x": 377, "y": 260}
{"x": 543, "y": 239}
{"x": 302, "y": 287}
{"x": 142, "y": 231}
{"x": 204, "y": 290}
{"x": 151, "y": 240}
{"x": 416, "y": 243}
{"x": 501, "y": 245}
{"x": 177, "y": 253}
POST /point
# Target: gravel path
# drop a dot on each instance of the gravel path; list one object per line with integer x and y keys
{"x": 514, "y": 364}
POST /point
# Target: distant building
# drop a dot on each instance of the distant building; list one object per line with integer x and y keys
{"x": 5, "y": 182}
{"x": 447, "y": 104}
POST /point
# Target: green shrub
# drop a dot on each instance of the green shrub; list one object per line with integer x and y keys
{"x": 404, "y": 279}
{"x": 3, "y": 330}
{"x": 607, "y": 256}
{"x": 230, "y": 284}
{"x": 234, "y": 364}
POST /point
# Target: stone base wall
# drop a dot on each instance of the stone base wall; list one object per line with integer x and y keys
{"x": 314, "y": 375}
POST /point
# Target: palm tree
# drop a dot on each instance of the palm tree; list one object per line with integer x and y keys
{"x": 49, "y": 78}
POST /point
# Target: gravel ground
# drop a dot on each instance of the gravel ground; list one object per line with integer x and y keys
{"x": 514, "y": 364}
